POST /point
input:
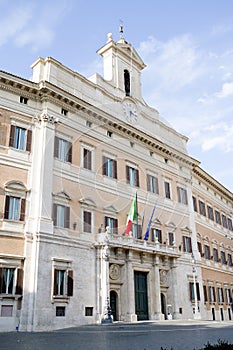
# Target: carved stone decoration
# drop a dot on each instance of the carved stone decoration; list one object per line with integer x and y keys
{"x": 44, "y": 117}
{"x": 114, "y": 271}
{"x": 163, "y": 276}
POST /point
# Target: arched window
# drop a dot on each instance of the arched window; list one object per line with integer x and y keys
{"x": 127, "y": 82}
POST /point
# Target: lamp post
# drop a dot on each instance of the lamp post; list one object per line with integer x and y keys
{"x": 194, "y": 270}
{"x": 107, "y": 312}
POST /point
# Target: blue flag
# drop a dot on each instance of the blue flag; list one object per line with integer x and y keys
{"x": 149, "y": 225}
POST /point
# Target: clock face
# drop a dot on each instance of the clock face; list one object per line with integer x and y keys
{"x": 130, "y": 112}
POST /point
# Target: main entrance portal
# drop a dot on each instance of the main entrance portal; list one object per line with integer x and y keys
{"x": 140, "y": 287}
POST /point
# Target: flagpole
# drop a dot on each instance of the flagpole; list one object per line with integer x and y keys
{"x": 137, "y": 211}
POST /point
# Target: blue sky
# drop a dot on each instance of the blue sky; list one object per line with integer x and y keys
{"x": 186, "y": 45}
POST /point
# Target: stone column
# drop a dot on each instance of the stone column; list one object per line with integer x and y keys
{"x": 157, "y": 314}
{"x": 130, "y": 307}
{"x": 39, "y": 215}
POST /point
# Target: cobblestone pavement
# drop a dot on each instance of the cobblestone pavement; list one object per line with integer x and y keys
{"x": 120, "y": 336}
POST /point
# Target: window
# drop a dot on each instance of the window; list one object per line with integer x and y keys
{"x": 88, "y": 311}
{"x": 63, "y": 282}
{"x": 20, "y": 138}
{"x": 23, "y": 100}
{"x": 230, "y": 226}
{"x": 229, "y": 259}
{"x": 224, "y": 221}
{"x": 60, "y": 311}
{"x": 223, "y": 258}
{"x": 132, "y": 176}
{"x": 112, "y": 223}
{"x": 192, "y": 291}
{"x": 11, "y": 280}
{"x": 61, "y": 216}
{"x": 88, "y": 124}
{"x": 199, "y": 247}
{"x": 109, "y": 167}
{"x": 63, "y": 150}
{"x": 87, "y": 158}
{"x": 212, "y": 296}
{"x": 87, "y": 221}
{"x": 14, "y": 208}
{"x": 182, "y": 195}
{"x": 156, "y": 235}
{"x": 220, "y": 295}
{"x": 194, "y": 204}
{"x": 210, "y": 212}
{"x": 207, "y": 252}
{"x": 171, "y": 239}
{"x": 228, "y": 296}
{"x": 109, "y": 133}
{"x": 202, "y": 208}
{"x": 205, "y": 294}
{"x": 152, "y": 184}
{"x": 137, "y": 231}
{"x": 215, "y": 254}
{"x": 64, "y": 111}
{"x": 6, "y": 310}
{"x": 217, "y": 217}
{"x": 167, "y": 190}
{"x": 187, "y": 244}
{"x": 127, "y": 82}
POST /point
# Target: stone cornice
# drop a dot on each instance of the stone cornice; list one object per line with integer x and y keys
{"x": 45, "y": 91}
{"x": 210, "y": 181}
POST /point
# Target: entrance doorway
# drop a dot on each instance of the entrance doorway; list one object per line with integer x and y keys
{"x": 163, "y": 306}
{"x": 141, "y": 302}
{"x": 114, "y": 304}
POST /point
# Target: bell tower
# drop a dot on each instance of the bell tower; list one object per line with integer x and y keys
{"x": 122, "y": 66}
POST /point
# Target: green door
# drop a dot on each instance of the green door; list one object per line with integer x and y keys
{"x": 140, "y": 287}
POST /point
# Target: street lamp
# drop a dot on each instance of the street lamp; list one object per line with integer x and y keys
{"x": 196, "y": 312}
{"x": 107, "y": 312}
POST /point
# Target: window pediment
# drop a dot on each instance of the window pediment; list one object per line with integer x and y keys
{"x": 88, "y": 202}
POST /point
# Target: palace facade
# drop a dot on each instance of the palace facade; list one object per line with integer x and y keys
{"x": 74, "y": 153}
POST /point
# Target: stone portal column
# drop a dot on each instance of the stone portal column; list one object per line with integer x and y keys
{"x": 157, "y": 314}
{"x": 130, "y": 307}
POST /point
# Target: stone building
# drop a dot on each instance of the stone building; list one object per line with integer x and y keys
{"x": 74, "y": 153}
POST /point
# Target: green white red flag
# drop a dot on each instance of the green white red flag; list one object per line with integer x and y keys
{"x": 131, "y": 216}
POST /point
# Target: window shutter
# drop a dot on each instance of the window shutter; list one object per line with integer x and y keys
{"x": 1, "y": 279}
{"x": 190, "y": 245}
{"x": 184, "y": 246}
{"x": 29, "y": 141}
{"x": 198, "y": 291}
{"x": 105, "y": 222}
{"x": 104, "y": 167}
{"x": 55, "y": 286}
{"x": 115, "y": 226}
{"x": 19, "y": 284}
{"x": 136, "y": 177}
{"x": 55, "y": 214}
{"x": 22, "y": 210}
{"x": 12, "y": 136}
{"x": 148, "y": 182}
{"x": 191, "y": 291}
{"x": 56, "y": 147}
{"x": 178, "y": 194}
{"x": 67, "y": 217}
{"x": 127, "y": 174}
{"x": 69, "y": 155}
{"x": 89, "y": 155}
{"x": 115, "y": 169}
{"x": 7, "y": 204}
{"x": 186, "y": 196}
{"x": 139, "y": 231}
{"x": 205, "y": 294}
{"x": 70, "y": 283}
{"x": 156, "y": 185}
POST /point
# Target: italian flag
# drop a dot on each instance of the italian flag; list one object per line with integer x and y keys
{"x": 131, "y": 216}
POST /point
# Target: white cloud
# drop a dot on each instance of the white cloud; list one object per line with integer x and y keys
{"x": 227, "y": 90}
{"x": 32, "y": 25}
